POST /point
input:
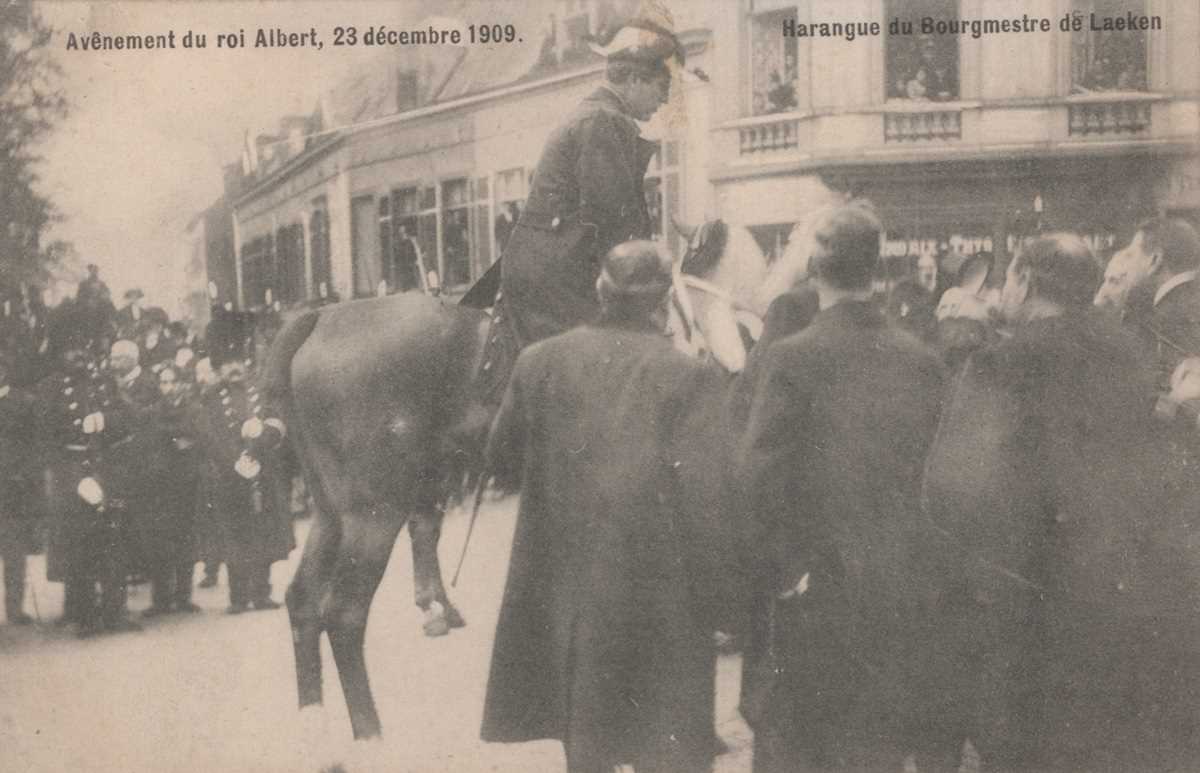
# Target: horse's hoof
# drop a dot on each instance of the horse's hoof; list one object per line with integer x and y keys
{"x": 453, "y": 618}
{"x": 435, "y": 620}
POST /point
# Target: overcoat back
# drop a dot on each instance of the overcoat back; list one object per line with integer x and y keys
{"x": 602, "y": 636}
{"x": 1070, "y": 594}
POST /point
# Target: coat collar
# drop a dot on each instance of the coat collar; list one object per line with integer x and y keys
{"x": 608, "y": 98}
{"x": 1172, "y": 283}
{"x": 853, "y": 313}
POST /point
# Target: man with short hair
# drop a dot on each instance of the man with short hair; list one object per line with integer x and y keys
{"x": 605, "y": 634}
{"x": 1160, "y": 263}
{"x": 1067, "y": 625}
{"x": 841, "y": 419}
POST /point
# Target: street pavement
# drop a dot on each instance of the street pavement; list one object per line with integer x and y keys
{"x": 213, "y": 692}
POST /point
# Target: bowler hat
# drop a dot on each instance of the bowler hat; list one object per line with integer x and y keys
{"x": 634, "y": 270}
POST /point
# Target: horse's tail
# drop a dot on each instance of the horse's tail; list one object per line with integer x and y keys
{"x": 275, "y": 377}
{"x": 275, "y": 384}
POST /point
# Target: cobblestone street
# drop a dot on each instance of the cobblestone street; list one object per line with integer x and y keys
{"x": 217, "y": 693}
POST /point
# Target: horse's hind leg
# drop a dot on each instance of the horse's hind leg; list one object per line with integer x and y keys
{"x": 368, "y": 535}
{"x": 425, "y": 529}
{"x": 305, "y": 598}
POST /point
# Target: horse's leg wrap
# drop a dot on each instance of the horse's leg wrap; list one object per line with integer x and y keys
{"x": 425, "y": 529}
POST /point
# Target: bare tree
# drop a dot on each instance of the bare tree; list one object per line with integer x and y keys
{"x": 31, "y": 102}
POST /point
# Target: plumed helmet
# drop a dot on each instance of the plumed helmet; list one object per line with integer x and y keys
{"x": 644, "y": 42}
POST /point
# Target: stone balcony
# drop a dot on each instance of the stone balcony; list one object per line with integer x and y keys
{"x": 766, "y": 134}
{"x": 1102, "y": 115}
{"x": 922, "y": 125}
{"x": 899, "y": 130}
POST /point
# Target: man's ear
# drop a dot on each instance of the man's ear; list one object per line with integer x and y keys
{"x": 1154, "y": 261}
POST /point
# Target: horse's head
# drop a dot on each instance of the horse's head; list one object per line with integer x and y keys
{"x": 712, "y": 311}
{"x": 725, "y": 283}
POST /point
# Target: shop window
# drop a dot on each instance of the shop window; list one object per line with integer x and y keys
{"x": 511, "y": 192}
{"x": 385, "y": 241}
{"x": 318, "y": 235}
{"x": 456, "y": 231}
{"x": 663, "y": 194}
{"x": 481, "y": 223}
{"x": 401, "y": 265}
{"x": 1108, "y": 60}
{"x": 427, "y": 242}
{"x": 773, "y": 66}
{"x": 922, "y": 67}
{"x": 257, "y": 270}
{"x": 289, "y": 265}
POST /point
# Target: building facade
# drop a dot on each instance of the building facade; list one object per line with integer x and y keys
{"x": 381, "y": 203}
{"x": 965, "y": 143}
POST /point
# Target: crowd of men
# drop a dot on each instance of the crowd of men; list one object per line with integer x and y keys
{"x": 965, "y": 515}
{"x": 132, "y": 450}
{"x": 966, "y": 543}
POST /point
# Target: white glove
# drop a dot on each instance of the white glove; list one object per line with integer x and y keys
{"x": 93, "y": 423}
{"x": 1185, "y": 381}
{"x": 798, "y": 590}
{"x": 90, "y": 491}
{"x": 247, "y": 466}
{"x": 252, "y": 428}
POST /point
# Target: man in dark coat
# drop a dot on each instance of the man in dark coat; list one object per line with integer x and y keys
{"x": 605, "y": 640}
{"x": 831, "y": 462}
{"x": 168, "y": 536}
{"x": 239, "y": 443}
{"x": 587, "y": 194}
{"x": 1069, "y": 619}
{"x": 135, "y": 462}
{"x": 18, "y": 491}
{"x": 80, "y": 423}
{"x": 1159, "y": 268}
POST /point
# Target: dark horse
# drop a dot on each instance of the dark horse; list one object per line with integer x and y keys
{"x": 376, "y": 396}
{"x": 380, "y": 409}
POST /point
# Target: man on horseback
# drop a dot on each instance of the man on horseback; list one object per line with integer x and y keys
{"x": 587, "y": 197}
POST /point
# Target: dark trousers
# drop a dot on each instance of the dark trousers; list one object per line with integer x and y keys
{"x": 249, "y": 581}
{"x": 82, "y": 604}
{"x": 171, "y": 583}
{"x": 14, "y": 582}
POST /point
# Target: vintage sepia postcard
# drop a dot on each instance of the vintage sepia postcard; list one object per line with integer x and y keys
{"x": 281, "y": 278}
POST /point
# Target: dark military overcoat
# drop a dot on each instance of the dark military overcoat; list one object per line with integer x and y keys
{"x": 251, "y": 525}
{"x": 586, "y": 198}
{"x": 77, "y": 530}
